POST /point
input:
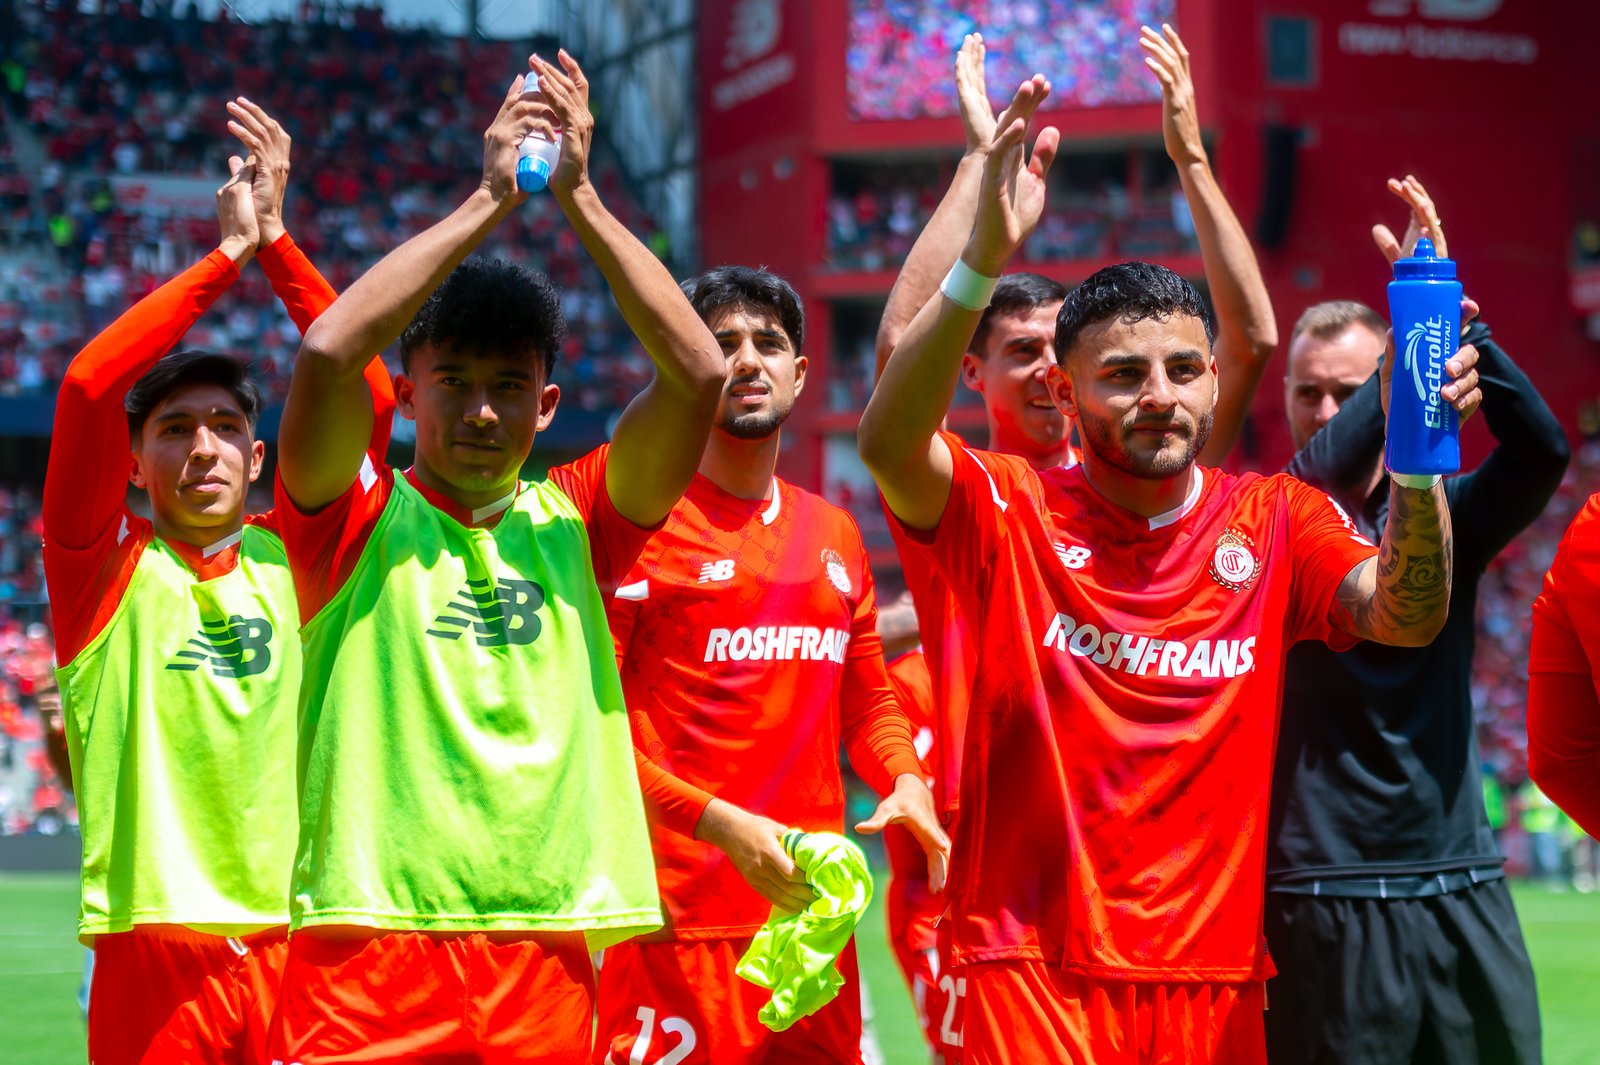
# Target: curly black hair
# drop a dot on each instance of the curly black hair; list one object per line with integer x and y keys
{"x": 490, "y": 307}
{"x": 182, "y": 369}
{"x": 1131, "y": 292}
{"x": 752, "y": 289}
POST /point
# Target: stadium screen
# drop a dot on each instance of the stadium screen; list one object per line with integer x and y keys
{"x": 902, "y": 52}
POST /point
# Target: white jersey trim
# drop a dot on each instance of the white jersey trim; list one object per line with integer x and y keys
{"x": 637, "y": 591}
{"x": 994, "y": 489}
{"x": 489, "y": 510}
{"x": 770, "y": 515}
{"x": 1161, "y": 521}
{"x": 222, "y": 544}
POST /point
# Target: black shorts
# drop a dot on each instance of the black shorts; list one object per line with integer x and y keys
{"x": 1364, "y": 981}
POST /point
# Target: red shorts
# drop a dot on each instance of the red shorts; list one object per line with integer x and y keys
{"x": 1027, "y": 1012}
{"x": 426, "y": 999}
{"x": 680, "y": 1003}
{"x": 163, "y": 993}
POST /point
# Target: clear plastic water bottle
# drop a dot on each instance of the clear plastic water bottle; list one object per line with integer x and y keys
{"x": 536, "y": 157}
{"x": 1425, "y": 310}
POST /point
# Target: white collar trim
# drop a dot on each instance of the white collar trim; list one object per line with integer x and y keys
{"x": 222, "y": 544}
{"x": 489, "y": 510}
{"x": 770, "y": 515}
{"x": 1177, "y": 513}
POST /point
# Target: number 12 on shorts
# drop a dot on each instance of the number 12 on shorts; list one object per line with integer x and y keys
{"x": 677, "y": 1026}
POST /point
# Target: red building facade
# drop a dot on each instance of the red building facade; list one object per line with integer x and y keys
{"x": 1308, "y": 106}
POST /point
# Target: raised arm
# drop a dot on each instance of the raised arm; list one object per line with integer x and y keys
{"x": 327, "y": 420}
{"x": 1402, "y": 596}
{"x": 1247, "y": 332}
{"x": 898, "y": 437}
{"x": 661, "y": 436}
{"x": 86, "y": 480}
{"x": 304, "y": 292}
{"x": 941, "y": 240}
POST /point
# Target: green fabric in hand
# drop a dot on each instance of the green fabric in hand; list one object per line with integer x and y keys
{"x": 794, "y": 953}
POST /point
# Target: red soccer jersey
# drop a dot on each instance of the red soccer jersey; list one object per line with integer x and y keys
{"x": 748, "y": 646}
{"x": 951, "y": 652}
{"x": 1564, "y": 669}
{"x": 92, "y": 541}
{"x": 1124, "y": 715}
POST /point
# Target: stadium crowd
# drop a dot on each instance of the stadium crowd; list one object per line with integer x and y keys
{"x": 897, "y": 69}
{"x": 111, "y": 96}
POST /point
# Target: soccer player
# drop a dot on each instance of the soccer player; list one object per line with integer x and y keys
{"x": 1132, "y": 615}
{"x": 1009, "y": 358}
{"x": 1387, "y": 913}
{"x": 1563, "y": 671}
{"x": 471, "y": 822}
{"x": 178, "y": 642}
{"x": 747, "y": 641}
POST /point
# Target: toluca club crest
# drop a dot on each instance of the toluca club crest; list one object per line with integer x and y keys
{"x": 1234, "y": 564}
{"x": 838, "y": 576}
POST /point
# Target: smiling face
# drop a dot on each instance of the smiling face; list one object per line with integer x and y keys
{"x": 196, "y": 457}
{"x": 764, "y": 376}
{"x": 476, "y": 415}
{"x": 1011, "y": 373}
{"x": 1143, "y": 393}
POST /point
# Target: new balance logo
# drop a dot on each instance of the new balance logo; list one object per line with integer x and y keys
{"x": 1072, "y": 557}
{"x": 720, "y": 570}
{"x": 499, "y": 615}
{"x": 235, "y": 647}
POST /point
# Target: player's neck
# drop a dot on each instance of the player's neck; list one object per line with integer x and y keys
{"x": 1039, "y": 456}
{"x": 466, "y": 498}
{"x": 742, "y": 468}
{"x": 1143, "y": 496}
{"x": 199, "y": 537}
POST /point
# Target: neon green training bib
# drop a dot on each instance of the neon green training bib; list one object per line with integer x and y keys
{"x": 465, "y": 754}
{"x": 180, "y": 719}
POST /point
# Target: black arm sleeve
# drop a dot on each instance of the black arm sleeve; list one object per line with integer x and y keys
{"x": 1503, "y": 496}
{"x": 1340, "y": 459}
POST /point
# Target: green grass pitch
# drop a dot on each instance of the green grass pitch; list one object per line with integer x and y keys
{"x": 40, "y": 963}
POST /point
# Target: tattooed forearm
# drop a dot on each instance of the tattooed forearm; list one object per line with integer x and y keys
{"x": 1402, "y": 597}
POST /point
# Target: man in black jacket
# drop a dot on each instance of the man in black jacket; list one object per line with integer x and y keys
{"x": 1388, "y": 915}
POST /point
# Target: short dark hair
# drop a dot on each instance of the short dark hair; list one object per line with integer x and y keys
{"x": 183, "y": 369}
{"x": 1130, "y": 292}
{"x": 490, "y": 307}
{"x": 750, "y": 289}
{"x": 1020, "y": 293}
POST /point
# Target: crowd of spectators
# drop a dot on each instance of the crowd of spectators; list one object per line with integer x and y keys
{"x": 118, "y": 94}
{"x": 872, "y": 225}
{"x": 898, "y": 56}
{"x": 32, "y": 797}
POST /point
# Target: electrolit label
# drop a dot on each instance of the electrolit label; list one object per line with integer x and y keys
{"x": 1427, "y": 348}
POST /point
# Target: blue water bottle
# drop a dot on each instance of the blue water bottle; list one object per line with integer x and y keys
{"x": 1425, "y": 310}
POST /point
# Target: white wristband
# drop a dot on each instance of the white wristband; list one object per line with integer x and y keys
{"x": 967, "y": 287}
{"x": 1423, "y": 481}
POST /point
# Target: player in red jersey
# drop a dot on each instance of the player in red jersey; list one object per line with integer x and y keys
{"x": 1013, "y": 348}
{"x": 1564, "y": 675}
{"x": 186, "y": 914}
{"x": 747, "y": 640}
{"x": 1132, "y": 616}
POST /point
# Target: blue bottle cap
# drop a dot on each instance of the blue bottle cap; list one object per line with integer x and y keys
{"x": 533, "y": 173}
{"x": 1424, "y": 265}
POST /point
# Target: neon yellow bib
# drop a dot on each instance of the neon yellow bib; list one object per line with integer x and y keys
{"x": 464, "y": 749}
{"x": 180, "y": 718}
